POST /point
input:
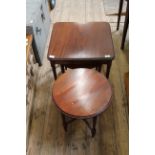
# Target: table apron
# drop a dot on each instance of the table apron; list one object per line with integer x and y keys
{"x": 81, "y": 62}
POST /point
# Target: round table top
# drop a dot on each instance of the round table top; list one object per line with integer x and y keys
{"x": 82, "y": 93}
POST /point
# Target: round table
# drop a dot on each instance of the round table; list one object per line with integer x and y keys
{"x": 81, "y": 94}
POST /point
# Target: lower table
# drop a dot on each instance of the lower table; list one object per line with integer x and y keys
{"x": 81, "y": 94}
{"x": 76, "y": 45}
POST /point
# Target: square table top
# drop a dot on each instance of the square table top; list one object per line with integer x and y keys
{"x": 75, "y": 41}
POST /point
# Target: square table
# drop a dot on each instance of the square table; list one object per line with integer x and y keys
{"x": 76, "y": 45}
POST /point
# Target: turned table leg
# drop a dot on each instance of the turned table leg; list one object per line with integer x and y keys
{"x": 54, "y": 71}
{"x": 119, "y": 13}
{"x": 126, "y": 24}
{"x": 62, "y": 69}
{"x": 94, "y": 126}
{"x": 108, "y": 68}
{"x": 98, "y": 68}
{"x": 64, "y": 122}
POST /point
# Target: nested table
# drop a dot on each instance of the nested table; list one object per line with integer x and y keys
{"x": 77, "y": 45}
{"x": 81, "y": 94}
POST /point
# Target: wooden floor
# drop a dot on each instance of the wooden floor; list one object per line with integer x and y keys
{"x": 47, "y": 136}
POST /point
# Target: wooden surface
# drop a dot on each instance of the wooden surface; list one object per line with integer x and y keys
{"x": 77, "y": 45}
{"x": 31, "y": 74}
{"x": 82, "y": 93}
{"x": 28, "y": 45}
{"x": 47, "y": 136}
{"x": 74, "y": 41}
{"x": 126, "y": 82}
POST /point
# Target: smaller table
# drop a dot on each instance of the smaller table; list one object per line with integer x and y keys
{"x": 76, "y": 45}
{"x": 81, "y": 94}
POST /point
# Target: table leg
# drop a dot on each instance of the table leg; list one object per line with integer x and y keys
{"x": 119, "y": 13}
{"x": 54, "y": 71}
{"x": 64, "y": 122}
{"x": 98, "y": 68}
{"x": 62, "y": 69}
{"x": 108, "y": 68}
{"x": 94, "y": 126}
{"x": 125, "y": 26}
{"x": 65, "y": 67}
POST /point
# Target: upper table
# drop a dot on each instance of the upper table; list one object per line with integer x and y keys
{"x": 76, "y": 45}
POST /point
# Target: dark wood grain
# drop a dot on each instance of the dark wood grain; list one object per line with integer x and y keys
{"x": 81, "y": 41}
{"x": 77, "y": 45}
{"x": 82, "y": 93}
{"x": 47, "y": 136}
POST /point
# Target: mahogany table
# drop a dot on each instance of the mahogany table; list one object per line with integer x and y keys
{"x": 75, "y": 45}
{"x": 81, "y": 94}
